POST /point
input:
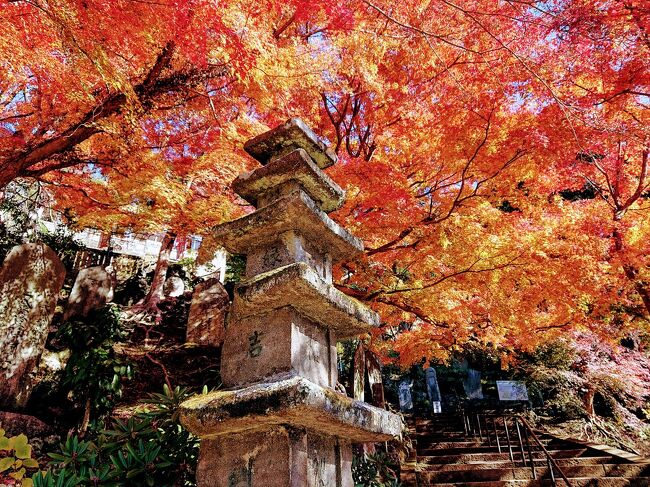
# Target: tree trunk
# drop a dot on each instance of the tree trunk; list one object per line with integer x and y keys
{"x": 156, "y": 294}
{"x": 632, "y": 272}
{"x": 588, "y": 400}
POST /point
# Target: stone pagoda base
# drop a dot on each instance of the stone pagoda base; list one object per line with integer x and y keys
{"x": 290, "y": 432}
{"x": 283, "y": 457}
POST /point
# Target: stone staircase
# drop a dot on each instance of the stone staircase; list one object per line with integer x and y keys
{"x": 447, "y": 455}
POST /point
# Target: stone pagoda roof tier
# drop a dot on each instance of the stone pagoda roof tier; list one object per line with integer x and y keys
{"x": 293, "y": 401}
{"x": 300, "y": 287}
{"x": 295, "y": 166}
{"x": 292, "y": 135}
{"x": 295, "y": 211}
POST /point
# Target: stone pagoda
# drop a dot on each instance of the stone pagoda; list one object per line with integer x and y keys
{"x": 279, "y": 421}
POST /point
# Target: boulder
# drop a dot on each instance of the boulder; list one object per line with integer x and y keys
{"x": 92, "y": 289}
{"x": 30, "y": 281}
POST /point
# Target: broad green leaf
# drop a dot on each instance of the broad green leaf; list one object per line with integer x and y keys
{"x": 30, "y": 463}
{"x": 6, "y": 463}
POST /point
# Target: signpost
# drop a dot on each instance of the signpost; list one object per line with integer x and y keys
{"x": 512, "y": 390}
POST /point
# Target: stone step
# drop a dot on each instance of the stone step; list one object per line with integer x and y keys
{"x": 424, "y": 441}
{"x": 437, "y": 434}
{"x": 444, "y": 457}
{"x": 627, "y": 471}
{"x": 561, "y": 453}
{"x": 436, "y": 465}
{"x": 580, "y": 482}
{"x": 424, "y": 444}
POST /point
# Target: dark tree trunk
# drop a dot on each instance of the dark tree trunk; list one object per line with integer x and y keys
{"x": 632, "y": 272}
{"x": 156, "y": 291}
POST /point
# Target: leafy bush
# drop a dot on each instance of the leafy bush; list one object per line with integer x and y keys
{"x": 94, "y": 372}
{"x": 19, "y": 205}
{"x": 15, "y": 460}
{"x": 62, "y": 241}
{"x": 235, "y": 267}
{"x": 375, "y": 470}
{"x": 151, "y": 448}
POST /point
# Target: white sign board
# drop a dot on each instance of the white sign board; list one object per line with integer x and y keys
{"x": 512, "y": 390}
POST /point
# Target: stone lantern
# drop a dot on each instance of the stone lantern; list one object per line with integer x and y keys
{"x": 279, "y": 421}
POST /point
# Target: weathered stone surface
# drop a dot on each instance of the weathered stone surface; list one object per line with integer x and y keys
{"x": 92, "y": 289}
{"x": 292, "y": 135}
{"x": 48, "y": 373}
{"x": 279, "y": 342}
{"x": 207, "y": 318}
{"x": 358, "y": 373}
{"x": 405, "y": 398}
{"x": 277, "y": 457}
{"x": 289, "y": 248}
{"x": 15, "y": 424}
{"x": 296, "y": 402}
{"x": 373, "y": 372}
{"x": 296, "y": 166}
{"x": 299, "y": 286}
{"x": 282, "y": 422}
{"x": 30, "y": 280}
{"x": 293, "y": 212}
{"x": 174, "y": 287}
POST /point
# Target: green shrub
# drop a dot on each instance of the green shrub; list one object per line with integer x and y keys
{"x": 94, "y": 372}
{"x": 375, "y": 470}
{"x": 15, "y": 460}
{"x": 151, "y": 448}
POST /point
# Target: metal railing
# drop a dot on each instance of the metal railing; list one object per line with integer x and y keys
{"x": 511, "y": 432}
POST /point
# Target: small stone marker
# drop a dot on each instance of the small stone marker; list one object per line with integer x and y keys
{"x": 472, "y": 384}
{"x": 206, "y": 322}
{"x": 280, "y": 422}
{"x": 92, "y": 289}
{"x": 375, "y": 383}
{"x": 30, "y": 281}
{"x": 174, "y": 287}
{"x": 359, "y": 373}
{"x": 433, "y": 391}
{"x": 405, "y": 399}
{"x": 512, "y": 390}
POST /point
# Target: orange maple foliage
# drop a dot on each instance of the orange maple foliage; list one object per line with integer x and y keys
{"x": 495, "y": 153}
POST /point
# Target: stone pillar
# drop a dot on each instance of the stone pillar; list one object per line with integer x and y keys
{"x": 279, "y": 422}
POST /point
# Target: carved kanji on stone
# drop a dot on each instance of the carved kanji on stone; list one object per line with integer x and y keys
{"x": 280, "y": 421}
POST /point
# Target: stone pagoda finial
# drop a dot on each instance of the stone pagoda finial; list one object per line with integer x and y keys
{"x": 280, "y": 422}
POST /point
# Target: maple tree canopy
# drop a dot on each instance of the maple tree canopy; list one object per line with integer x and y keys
{"x": 495, "y": 153}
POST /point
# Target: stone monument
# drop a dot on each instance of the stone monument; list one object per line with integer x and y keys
{"x": 210, "y": 304}
{"x": 433, "y": 390}
{"x": 92, "y": 289}
{"x": 174, "y": 287}
{"x": 280, "y": 421}
{"x": 30, "y": 281}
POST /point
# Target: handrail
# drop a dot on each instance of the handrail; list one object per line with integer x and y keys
{"x": 473, "y": 427}
{"x": 549, "y": 458}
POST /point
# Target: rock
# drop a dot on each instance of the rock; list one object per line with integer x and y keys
{"x": 92, "y": 289}
{"x": 15, "y": 424}
{"x": 174, "y": 287}
{"x": 47, "y": 376}
{"x": 206, "y": 322}
{"x": 30, "y": 281}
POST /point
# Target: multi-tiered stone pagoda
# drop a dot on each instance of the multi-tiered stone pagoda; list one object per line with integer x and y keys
{"x": 279, "y": 421}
